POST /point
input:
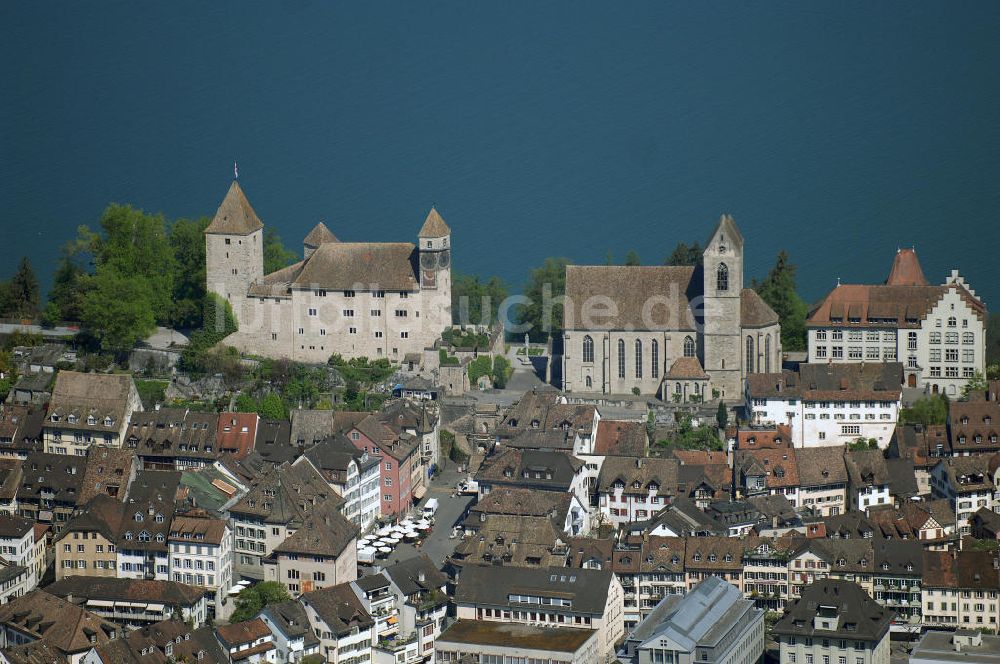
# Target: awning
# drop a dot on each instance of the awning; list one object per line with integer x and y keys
{"x": 130, "y": 604}
{"x": 99, "y": 602}
{"x": 419, "y": 492}
{"x": 154, "y": 607}
{"x": 392, "y": 620}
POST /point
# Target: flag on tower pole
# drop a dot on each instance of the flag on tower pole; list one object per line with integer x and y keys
{"x": 236, "y": 172}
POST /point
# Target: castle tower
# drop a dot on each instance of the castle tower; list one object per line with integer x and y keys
{"x": 434, "y": 249}
{"x": 234, "y": 249}
{"x": 320, "y": 234}
{"x": 722, "y": 263}
{"x": 435, "y": 253}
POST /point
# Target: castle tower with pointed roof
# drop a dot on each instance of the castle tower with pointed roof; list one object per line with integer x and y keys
{"x": 435, "y": 252}
{"x": 234, "y": 248}
{"x": 319, "y": 235}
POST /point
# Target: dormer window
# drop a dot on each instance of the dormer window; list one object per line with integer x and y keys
{"x": 712, "y": 558}
{"x": 138, "y": 517}
{"x": 159, "y": 537}
{"x": 91, "y": 420}
{"x": 144, "y": 536}
{"x": 697, "y": 557}
{"x": 729, "y": 558}
{"x": 72, "y": 419}
{"x": 159, "y": 518}
{"x": 128, "y": 536}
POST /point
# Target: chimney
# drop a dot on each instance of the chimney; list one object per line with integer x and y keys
{"x": 421, "y": 577}
{"x": 638, "y": 462}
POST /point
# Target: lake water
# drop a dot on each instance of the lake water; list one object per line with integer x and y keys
{"x": 838, "y": 132}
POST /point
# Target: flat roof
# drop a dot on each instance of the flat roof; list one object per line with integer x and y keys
{"x": 514, "y": 635}
{"x": 936, "y": 645}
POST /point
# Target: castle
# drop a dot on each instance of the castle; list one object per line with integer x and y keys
{"x": 356, "y": 299}
{"x": 683, "y": 333}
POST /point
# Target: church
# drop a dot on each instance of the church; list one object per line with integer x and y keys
{"x": 357, "y": 299}
{"x": 682, "y": 333}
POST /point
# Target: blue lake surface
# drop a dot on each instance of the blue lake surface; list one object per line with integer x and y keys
{"x": 837, "y": 131}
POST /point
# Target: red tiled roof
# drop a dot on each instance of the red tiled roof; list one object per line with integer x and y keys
{"x": 247, "y": 631}
{"x": 237, "y": 432}
{"x": 906, "y": 270}
{"x": 618, "y": 438}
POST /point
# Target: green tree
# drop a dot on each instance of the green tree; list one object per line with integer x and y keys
{"x": 252, "y": 600}
{"x": 117, "y": 311}
{"x": 501, "y": 371}
{"x": 245, "y": 403}
{"x": 22, "y": 291}
{"x": 632, "y": 258}
{"x": 684, "y": 255}
{"x": 926, "y": 411}
{"x": 975, "y": 384}
{"x": 51, "y": 315}
{"x": 778, "y": 290}
{"x": 135, "y": 246}
{"x": 68, "y": 287}
{"x": 276, "y": 255}
{"x": 609, "y": 258}
{"x": 722, "y": 416}
{"x": 187, "y": 240}
{"x": 543, "y": 313}
{"x": 474, "y": 302}
{"x": 272, "y": 407}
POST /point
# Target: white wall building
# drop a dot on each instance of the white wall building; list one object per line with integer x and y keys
{"x": 829, "y": 404}
{"x": 201, "y": 553}
{"x": 937, "y": 332}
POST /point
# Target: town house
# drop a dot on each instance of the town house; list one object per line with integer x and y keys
{"x": 89, "y": 409}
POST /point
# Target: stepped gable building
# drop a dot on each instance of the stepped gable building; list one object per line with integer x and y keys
{"x": 627, "y": 326}
{"x": 355, "y": 299}
{"x": 937, "y": 332}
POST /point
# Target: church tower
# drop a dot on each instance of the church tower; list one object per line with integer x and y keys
{"x": 434, "y": 253}
{"x": 722, "y": 263}
{"x": 234, "y": 249}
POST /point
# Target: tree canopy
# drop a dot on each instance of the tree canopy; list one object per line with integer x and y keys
{"x": 187, "y": 240}
{"x": 117, "y": 310}
{"x": 632, "y": 258}
{"x": 543, "y": 312}
{"x": 276, "y": 255}
{"x": 684, "y": 255}
{"x": 20, "y": 295}
{"x": 252, "y": 600}
{"x": 778, "y": 290}
{"x": 926, "y": 411}
{"x": 474, "y": 302}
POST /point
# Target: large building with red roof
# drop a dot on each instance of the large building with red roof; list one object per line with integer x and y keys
{"x": 937, "y": 332}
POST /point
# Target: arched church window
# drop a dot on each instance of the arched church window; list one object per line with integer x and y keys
{"x": 588, "y": 349}
{"x": 722, "y": 278}
{"x": 654, "y": 353}
{"x": 767, "y": 354}
{"x": 621, "y": 358}
{"x": 750, "y": 356}
{"x": 638, "y": 358}
{"x": 590, "y": 382}
{"x": 688, "y": 347}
